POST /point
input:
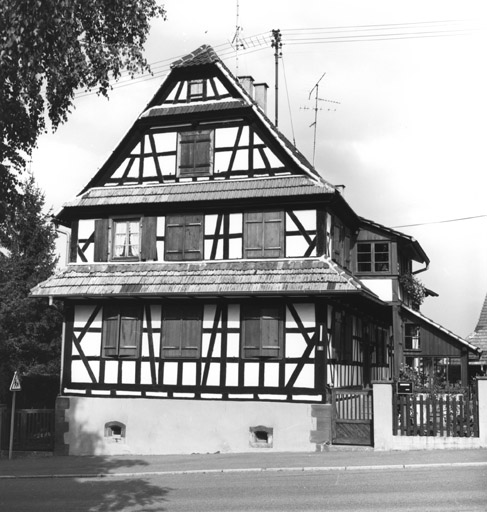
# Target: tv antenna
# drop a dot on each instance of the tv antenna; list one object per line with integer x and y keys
{"x": 316, "y": 108}
{"x": 277, "y": 45}
{"x": 237, "y": 42}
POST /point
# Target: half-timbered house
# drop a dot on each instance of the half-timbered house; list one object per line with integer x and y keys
{"x": 218, "y": 288}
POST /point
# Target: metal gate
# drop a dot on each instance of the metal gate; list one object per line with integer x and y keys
{"x": 33, "y": 430}
{"x": 352, "y": 417}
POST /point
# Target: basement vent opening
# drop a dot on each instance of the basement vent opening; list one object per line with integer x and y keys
{"x": 261, "y": 437}
{"x": 115, "y": 431}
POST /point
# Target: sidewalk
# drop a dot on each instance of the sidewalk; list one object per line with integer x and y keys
{"x": 335, "y": 459}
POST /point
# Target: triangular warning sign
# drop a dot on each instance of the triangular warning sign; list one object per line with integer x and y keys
{"x": 15, "y": 386}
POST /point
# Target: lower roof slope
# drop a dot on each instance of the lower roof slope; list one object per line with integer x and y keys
{"x": 206, "y": 278}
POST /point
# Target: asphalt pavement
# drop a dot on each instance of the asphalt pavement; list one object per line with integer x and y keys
{"x": 332, "y": 459}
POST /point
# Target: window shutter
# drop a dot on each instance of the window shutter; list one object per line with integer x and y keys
{"x": 174, "y": 238}
{"x": 195, "y": 153}
{"x": 336, "y": 243}
{"x": 270, "y": 326}
{"x": 253, "y": 235}
{"x": 348, "y": 339}
{"x": 73, "y": 242}
{"x": 251, "y": 335}
{"x": 273, "y": 234}
{"x": 130, "y": 332}
{"x": 101, "y": 240}
{"x": 110, "y": 331}
{"x": 337, "y": 341}
{"x": 193, "y": 237}
{"x": 191, "y": 331}
{"x": 149, "y": 239}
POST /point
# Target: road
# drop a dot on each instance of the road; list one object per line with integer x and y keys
{"x": 452, "y": 489}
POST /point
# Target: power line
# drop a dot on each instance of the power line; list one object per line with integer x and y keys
{"x": 258, "y": 42}
{"x": 439, "y": 221}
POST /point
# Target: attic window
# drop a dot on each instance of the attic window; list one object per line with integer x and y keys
{"x": 196, "y": 90}
{"x": 126, "y": 239}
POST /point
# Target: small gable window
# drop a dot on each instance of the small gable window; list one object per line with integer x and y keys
{"x": 196, "y": 90}
{"x": 195, "y": 153}
{"x": 184, "y": 237}
{"x": 181, "y": 331}
{"x": 264, "y": 235}
{"x": 262, "y": 331}
{"x": 373, "y": 257}
{"x": 121, "y": 333}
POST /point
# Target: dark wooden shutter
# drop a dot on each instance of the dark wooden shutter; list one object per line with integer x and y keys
{"x": 73, "y": 242}
{"x": 264, "y": 234}
{"x": 191, "y": 330}
{"x": 273, "y": 234}
{"x": 101, "y": 240}
{"x": 337, "y": 341}
{"x": 250, "y": 331}
{"x": 130, "y": 331}
{"x": 181, "y": 330}
{"x": 262, "y": 331}
{"x": 336, "y": 243}
{"x": 148, "y": 250}
{"x": 193, "y": 237}
{"x": 348, "y": 338}
{"x": 195, "y": 153}
{"x": 110, "y": 330}
{"x": 253, "y": 235}
{"x": 271, "y": 332}
{"x": 174, "y": 238}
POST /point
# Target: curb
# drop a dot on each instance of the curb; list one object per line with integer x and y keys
{"x": 251, "y": 470}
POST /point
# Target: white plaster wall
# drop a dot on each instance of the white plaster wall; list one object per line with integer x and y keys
{"x": 381, "y": 287}
{"x": 184, "y": 426}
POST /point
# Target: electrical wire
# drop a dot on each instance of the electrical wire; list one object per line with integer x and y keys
{"x": 439, "y": 221}
{"x": 288, "y": 102}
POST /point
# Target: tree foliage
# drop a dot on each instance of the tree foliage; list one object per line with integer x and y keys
{"x": 49, "y": 49}
{"x": 30, "y": 329}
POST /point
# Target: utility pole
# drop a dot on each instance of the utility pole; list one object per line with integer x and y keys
{"x": 277, "y": 45}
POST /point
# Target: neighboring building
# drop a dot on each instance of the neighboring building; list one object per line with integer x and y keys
{"x": 218, "y": 288}
{"x": 479, "y": 339}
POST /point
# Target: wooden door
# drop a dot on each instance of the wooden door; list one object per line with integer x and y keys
{"x": 352, "y": 417}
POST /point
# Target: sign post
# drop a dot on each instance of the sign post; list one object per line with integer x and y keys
{"x": 14, "y": 387}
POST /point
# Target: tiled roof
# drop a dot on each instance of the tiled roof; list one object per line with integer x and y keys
{"x": 202, "y": 55}
{"x": 479, "y": 336}
{"x": 203, "y": 106}
{"x": 213, "y": 190}
{"x": 283, "y": 277}
{"x": 438, "y": 327}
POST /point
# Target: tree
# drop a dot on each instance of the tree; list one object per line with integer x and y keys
{"x": 51, "y": 49}
{"x": 30, "y": 329}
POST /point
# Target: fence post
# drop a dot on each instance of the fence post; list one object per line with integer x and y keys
{"x": 482, "y": 399}
{"x": 382, "y": 404}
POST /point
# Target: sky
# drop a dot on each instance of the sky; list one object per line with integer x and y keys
{"x": 401, "y": 120}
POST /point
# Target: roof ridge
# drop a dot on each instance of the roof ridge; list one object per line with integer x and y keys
{"x": 205, "y": 54}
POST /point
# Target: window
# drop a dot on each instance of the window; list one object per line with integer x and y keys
{"x": 184, "y": 237}
{"x": 121, "y": 333}
{"x": 196, "y": 90}
{"x": 264, "y": 235}
{"x": 195, "y": 155}
{"x": 181, "y": 331}
{"x": 342, "y": 340}
{"x": 373, "y": 257}
{"x": 412, "y": 339}
{"x": 262, "y": 331}
{"x": 126, "y": 236}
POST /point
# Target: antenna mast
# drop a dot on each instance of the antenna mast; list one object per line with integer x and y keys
{"x": 236, "y": 39}
{"x": 277, "y": 45}
{"x": 315, "y": 123}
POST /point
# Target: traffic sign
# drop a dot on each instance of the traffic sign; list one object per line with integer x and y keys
{"x": 15, "y": 386}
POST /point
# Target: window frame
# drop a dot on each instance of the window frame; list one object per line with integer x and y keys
{"x": 252, "y": 311}
{"x": 373, "y": 254}
{"x": 181, "y": 313}
{"x": 412, "y": 337}
{"x": 118, "y": 311}
{"x": 119, "y": 220}
{"x": 191, "y": 145}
